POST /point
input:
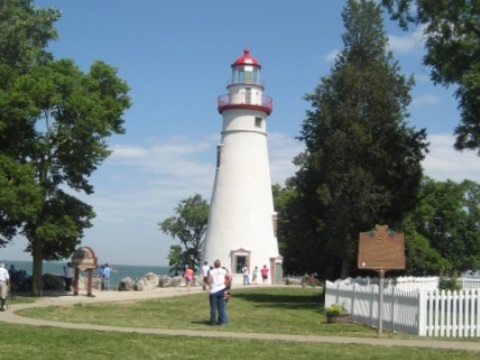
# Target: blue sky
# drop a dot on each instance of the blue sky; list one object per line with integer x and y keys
{"x": 176, "y": 57}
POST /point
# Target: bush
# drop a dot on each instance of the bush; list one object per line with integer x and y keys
{"x": 336, "y": 309}
{"x": 449, "y": 284}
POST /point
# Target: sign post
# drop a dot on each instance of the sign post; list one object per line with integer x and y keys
{"x": 381, "y": 250}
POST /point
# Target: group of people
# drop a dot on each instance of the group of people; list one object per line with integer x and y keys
{"x": 263, "y": 273}
{"x": 19, "y": 279}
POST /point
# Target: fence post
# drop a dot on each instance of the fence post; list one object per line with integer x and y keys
{"x": 422, "y": 313}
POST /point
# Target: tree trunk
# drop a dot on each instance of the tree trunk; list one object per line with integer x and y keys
{"x": 37, "y": 284}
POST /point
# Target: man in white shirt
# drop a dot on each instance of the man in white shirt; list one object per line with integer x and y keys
{"x": 4, "y": 284}
{"x": 218, "y": 278}
{"x": 205, "y": 270}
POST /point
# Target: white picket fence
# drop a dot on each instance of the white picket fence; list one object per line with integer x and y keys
{"x": 417, "y": 311}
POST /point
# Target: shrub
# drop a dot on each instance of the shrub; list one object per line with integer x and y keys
{"x": 336, "y": 309}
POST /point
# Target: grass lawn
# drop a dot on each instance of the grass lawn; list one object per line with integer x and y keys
{"x": 288, "y": 310}
{"x": 261, "y": 310}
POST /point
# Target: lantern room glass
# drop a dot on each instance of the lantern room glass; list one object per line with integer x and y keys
{"x": 246, "y": 75}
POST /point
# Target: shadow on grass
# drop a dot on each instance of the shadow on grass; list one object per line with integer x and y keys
{"x": 284, "y": 301}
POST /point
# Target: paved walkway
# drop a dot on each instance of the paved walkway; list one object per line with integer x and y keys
{"x": 10, "y": 316}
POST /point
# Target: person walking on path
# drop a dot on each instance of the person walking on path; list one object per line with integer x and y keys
{"x": 264, "y": 273}
{"x": 205, "y": 270}
{"x": 218, "y": 278}
{"x": 188, "y": 277}
{"x": 246, "y": 280}
{"x": 4, "y": 284}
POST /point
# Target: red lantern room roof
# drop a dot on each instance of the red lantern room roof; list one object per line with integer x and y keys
{"x": 246, "y": 59}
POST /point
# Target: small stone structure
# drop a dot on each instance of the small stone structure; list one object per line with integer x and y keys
{"x": 84, "y": 259}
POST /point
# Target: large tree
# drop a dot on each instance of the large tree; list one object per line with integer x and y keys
{"x": 362, "y": 164}
{"x": 24, "y": 33}
{"x": 188, "y": 225}
{"x": 54, "y": 124}
{"x": 452, "y": 32}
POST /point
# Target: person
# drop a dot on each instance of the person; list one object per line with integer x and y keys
{"x": 264, "y": 273}
{"x": 205, "y": 270}
{"x": 13, "y": 277}
{"x": 218, "y": 277}
{"x": 68, "y": 272}
{"x": 106, "y": 277}
{"x": 188, "y": 277}
{"x": 23, "y": 280}
{"x": 255, "y": 275}
{"x": 226, "y": 295}
{"x": 100, "y": 275}
{"x": 4, "y": 284}
{"x": 246, "y": 280}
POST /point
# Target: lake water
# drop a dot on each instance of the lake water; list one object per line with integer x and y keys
{"x": 119, "y": 271}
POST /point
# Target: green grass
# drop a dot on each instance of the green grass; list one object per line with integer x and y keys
{"x": 261, "y": 310}
{"x": 20, "y": 299}
{"x": 272, "y": 310}
{"x": 44, "y": 343}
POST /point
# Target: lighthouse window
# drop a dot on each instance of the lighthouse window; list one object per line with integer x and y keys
{"x": 258, "y": 122}
{"x": 248, "y": 77}
{"x": 240, "y": 263}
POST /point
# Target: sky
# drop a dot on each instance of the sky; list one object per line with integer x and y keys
{"x": 176, "y": 57}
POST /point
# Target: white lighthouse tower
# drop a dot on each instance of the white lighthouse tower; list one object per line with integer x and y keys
{"x": 241, "y": 224}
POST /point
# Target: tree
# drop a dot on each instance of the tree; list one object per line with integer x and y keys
{"x": 54, "y": 123}
{"x": 24, "y": 33}
{"x": 452, "y": 30}
{"x": 449, "y": 217}
{"x": 175, "y": 259}
{"x": 362, "y": 164}
{"x": 188, "y": 225}
{"x": 421, "y": 256}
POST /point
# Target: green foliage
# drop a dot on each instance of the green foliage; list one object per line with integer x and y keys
{"x": 189, "y": 226}
{"x": 449, "y": 217}
{"x": 336, "y": 309}
{"x": 452, "y": 30}
{"x": 421, "y": 257}
{"x": 25, "y": 33}
{"x": 362, "y": 164}
{"x": 176, "y": 260}
{"x": 53, "y": 128}
{"x": 450, "y": 284}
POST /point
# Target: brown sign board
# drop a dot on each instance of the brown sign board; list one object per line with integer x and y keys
{"x": 84, "y": 258}
{"x": 381, "y": 249}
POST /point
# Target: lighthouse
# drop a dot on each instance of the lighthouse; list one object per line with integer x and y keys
{"x": 241, "y": 224}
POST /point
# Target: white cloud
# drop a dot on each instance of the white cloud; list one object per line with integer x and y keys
{"x": 332, "y": 55}
{"x": 425, "y": 99}
{"x": 409, "y": 43}
{"x": 444, "y": 162}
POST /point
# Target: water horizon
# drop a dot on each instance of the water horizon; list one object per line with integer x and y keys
{"x": 119, "y": 271}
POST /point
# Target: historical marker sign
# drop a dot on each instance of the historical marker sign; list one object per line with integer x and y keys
{"x": 381, "y": 249}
